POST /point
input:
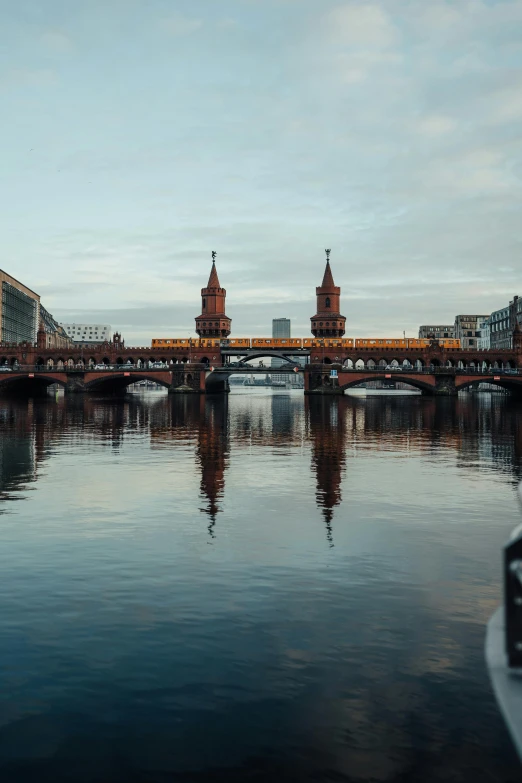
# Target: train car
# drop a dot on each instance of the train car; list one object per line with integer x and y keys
{"x": 274, "y": 343}
{"x": 326, "y": 342}
{"x": 347, "y": 342}
{"x": 208, "y": 342}
{"x": 380, "y": 342}
{"x": 236, "y": 342}
{"x": 446, "y": 342}
{"x": 172, "y": 342}
{"x": 449, "y": 342}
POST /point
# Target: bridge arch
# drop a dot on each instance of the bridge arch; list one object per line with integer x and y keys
{"x": 36, "y": 384}
{"x": 512, "y": 384}
{"x": 118, "y": 381}
{"x": 265, "y": 355}
{"x": 415, "y": 381}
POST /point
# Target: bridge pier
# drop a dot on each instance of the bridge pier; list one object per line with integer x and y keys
{"x": 318, "y": 381}
{"x": 75, "y": 383}
{"x": 444, "y": 386}
{"x": 187, "y": 381}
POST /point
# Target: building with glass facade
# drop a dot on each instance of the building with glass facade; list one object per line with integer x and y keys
{"x": 19, "y": 311}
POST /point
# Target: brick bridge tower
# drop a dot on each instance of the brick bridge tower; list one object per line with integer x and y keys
{"x": 213, "y": 321}
{"x": 328, "y": 321}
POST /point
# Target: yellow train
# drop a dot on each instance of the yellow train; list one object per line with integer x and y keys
{"x": 407, "y": 342}
{"x": 296, "y": 343}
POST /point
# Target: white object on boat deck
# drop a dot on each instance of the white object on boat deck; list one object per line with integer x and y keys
{"x": 507, "y": 683}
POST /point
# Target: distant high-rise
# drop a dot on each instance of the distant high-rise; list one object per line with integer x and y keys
{"x": 281, "y": 327}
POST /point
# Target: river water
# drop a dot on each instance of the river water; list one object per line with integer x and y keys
{"x": 258, "y": 588}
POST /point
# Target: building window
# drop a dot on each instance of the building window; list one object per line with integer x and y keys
{"x": 204, "y": 303}
{"x": 327, "y": 302}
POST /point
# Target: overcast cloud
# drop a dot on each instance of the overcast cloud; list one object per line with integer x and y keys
{"x": 138, "y": 136}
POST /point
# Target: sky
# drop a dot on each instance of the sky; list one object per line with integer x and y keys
{"x": 140, "y": 135}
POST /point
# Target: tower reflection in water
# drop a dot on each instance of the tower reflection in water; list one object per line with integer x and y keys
{"x": 327, "y": 422}
{"x": 212, "y": 454}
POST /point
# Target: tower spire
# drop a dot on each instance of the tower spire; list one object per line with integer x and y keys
{"x": 213, "y": 280}
{"x": 327, "y": 277}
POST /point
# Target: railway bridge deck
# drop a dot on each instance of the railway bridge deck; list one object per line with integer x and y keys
{"x": 324, "y": 378}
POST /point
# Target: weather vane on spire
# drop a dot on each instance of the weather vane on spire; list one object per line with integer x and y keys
{"x": 328, "y": 254}
{"x": 213, "y": 256}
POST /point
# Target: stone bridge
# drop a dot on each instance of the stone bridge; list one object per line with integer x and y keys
{"x": 442, "y": 381}
{"x": 35, "y": 381}
{"x": 200, "y": 379}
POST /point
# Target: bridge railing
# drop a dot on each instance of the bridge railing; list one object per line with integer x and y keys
{"x": 38, "y": 368}
{"x": 431, "y": 370}
{"x": 424, "y": 370}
